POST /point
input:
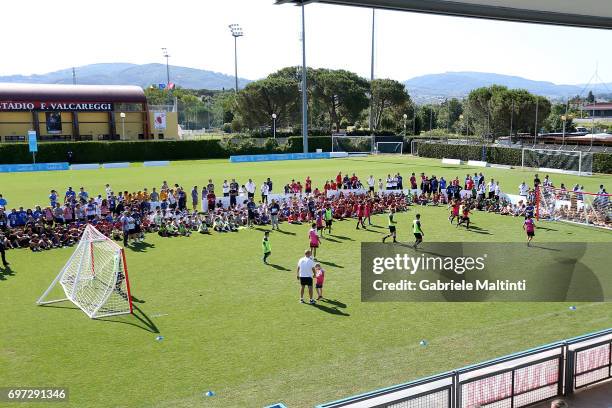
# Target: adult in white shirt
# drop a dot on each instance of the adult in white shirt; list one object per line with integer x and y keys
{"x": 389, "y": 182}
{"x": 264, "y": 192}
{"x": 109, "y": 191}
{"x": 250, "y": 188}
{"x": 523, "y": 189}
{"x": 305, "y": 271}
{"x": 371, "y": 184}
{"x": 497, "y": 191}
{"x": 491, "y": 188}
{"x": 226, "y": 188}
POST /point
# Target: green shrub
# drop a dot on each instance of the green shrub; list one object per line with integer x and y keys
{"x": 602, "y": 163}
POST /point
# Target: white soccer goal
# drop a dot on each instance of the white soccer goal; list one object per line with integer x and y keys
{"x": 389, "y": 147}
{"x": 577, "y": 207}
{"x": 558, "y": 161}
{"x": 352, "y": 144}
{"x": 95, "y": 278}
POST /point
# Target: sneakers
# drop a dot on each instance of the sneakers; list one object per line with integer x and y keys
{"x": 312, "y": 301}
{"x": 301, "y": 300}
{"x": 384, "y": 239}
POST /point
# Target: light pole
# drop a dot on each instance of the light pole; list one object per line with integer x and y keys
{"x": 563, "y": 118}
{"x": 274, "y": 125}
{"x": 371, "y": 124}
{"x": 405, "y": 117}
{"x": 236, "y": 32}
{"x": 167, "y": 57}
{"x": 122, "y": 114}
{"x": 461, "y": 119}
{"x": 304, "y": 85}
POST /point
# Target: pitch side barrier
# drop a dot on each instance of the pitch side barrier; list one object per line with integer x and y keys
{"x": 274, "y": 157}
{"x": 516, "y": 380}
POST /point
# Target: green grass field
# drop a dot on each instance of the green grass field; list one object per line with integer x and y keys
{"x": 234, "y": 326}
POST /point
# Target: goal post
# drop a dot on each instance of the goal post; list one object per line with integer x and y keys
{"x": 389, "y": 147}
{"x": 95, "y": 278}
{"x": 558, "y": 161}
{"x": 578, "y": 207}
{"x": 352, "y": 144}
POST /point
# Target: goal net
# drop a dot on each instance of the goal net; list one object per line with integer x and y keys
{"x": 352, "y": 144}
{"x": 574, "y": 206}
{"x": 389, "y": 147}
{"x": 95, "y": 278}
{"x": 558, "y": 161}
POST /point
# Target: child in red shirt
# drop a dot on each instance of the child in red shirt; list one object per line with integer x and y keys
{"x": 319, "y": 279}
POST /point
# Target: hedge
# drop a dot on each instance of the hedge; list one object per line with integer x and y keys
{"x": 138, "y": 151}
{"x": 602, "y": 162}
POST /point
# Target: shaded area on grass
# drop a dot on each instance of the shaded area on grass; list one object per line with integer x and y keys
{"x": 6, "y": 271}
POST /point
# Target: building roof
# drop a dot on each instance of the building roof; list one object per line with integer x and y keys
{"x": 598, "y": 106}
{"x": 71, "y": 93}
{"x": 583, "y": 13}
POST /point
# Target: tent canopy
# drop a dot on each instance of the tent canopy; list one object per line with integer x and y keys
{"x": 583, "y": 13}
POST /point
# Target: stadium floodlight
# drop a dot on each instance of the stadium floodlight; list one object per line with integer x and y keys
{"x": 167, "y": 57}
{"x": 405, "y": 117}
{"x": 236, "y": 32}
{"x": 95, "y": 278}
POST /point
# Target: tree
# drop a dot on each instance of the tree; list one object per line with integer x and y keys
{"x": 591, "y": 97}
{"x": 387, "y": 95}
{"x": 341, "y": 93}
{"x": 274, "y": 95}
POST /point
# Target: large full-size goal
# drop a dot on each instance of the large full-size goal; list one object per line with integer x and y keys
{"x": 558, "y": 161}
{"x": 389, "y": 147}
{"x": 352, "y": 144}
{"x": 577, "y": 207}
{"x": 95, "y": 278}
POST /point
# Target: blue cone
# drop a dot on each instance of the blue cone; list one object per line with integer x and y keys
{"x": 572, "y": 308}
{"x": 159, "y": 338}
{"x": 210, "y": 394}
{"x": 423, "y": 343}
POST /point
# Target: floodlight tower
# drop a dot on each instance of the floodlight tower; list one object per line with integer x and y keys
{"x": 167, "y": 57}
{"x": 236, "y": 32}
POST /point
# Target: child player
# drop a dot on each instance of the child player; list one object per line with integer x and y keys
{"x": 319, "y": 222}
{"x": 360, "y": 215}
{"x": 529, "y": 227}
{"x": 465, "y": 215}
{"x": 454, "y": 211}
{"x": 313, "y": 237}
{"x": 392, "y": 229}
{"x": 329, "y": 218}
{"x": 319, "y": 279}
{"x": 418, "y": 231}
{"x": 265, "y": 245}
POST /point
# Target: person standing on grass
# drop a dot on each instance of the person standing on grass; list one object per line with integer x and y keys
{"x": 274, "y": 211}
{"x": 329, "y": 218}
{"x": 265, "y": 245}
{"x": 305, "y": 270}
{"x": 194, "y": 198}
{"x": 313, "y": 237}
{"x": 319, "y": 279}
{"x": 529, "y": 227}
{"x": 418, "y": 231}
{"x": 392, "y": 229}
{"x": 2, "y": 254}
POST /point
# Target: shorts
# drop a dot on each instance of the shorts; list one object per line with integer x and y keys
{"x": 91, "y": 217}
{"x": 531, "y": 234}
{"x": 305, "y": 281}
{"x": 251, "y": 215}
{"x": 130, "y": 231}
{"x": 313, "y": 245}
{"x": 392, "y": 229}
{"x": 328, "y": 223}
{"x": 249, "y": 195}
{"x": 372, "y": 188}
{"x": 319, "y": 286}
{"x": 418, "y": 235}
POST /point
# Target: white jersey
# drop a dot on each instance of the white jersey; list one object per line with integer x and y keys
{"x": 371, "y": 182}
{"x": 250, "y": 187}
{"x": 305, "y": 266}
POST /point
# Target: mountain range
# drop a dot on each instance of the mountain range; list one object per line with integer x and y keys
{"x": 422, "y": 88}
{"x": 143, "y": 75}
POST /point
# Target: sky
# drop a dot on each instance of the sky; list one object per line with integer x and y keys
{"x": 66, "y": 33}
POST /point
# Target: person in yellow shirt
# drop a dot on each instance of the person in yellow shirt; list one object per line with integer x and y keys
{"x": 163, "y": 195}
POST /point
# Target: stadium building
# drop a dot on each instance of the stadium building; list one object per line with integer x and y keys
{"x": 599, "y": 110}
{"x": 82, "y": 113}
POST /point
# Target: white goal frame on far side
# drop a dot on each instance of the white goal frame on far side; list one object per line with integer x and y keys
{"x": 401, "y": 147}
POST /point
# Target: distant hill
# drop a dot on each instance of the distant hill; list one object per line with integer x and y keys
{"x": 459, "y": 84}
{"x": 133, "y": 74}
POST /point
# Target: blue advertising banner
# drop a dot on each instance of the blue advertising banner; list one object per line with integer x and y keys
{"x": 17, "y": 168}
{"x": 32, "y": 141}
{"x": 283, "y": 156}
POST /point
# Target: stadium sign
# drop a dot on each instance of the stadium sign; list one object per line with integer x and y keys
{"x": 55, "y": 106}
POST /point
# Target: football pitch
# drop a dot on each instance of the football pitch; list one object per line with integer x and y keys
{"x": 232, "y": 325}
